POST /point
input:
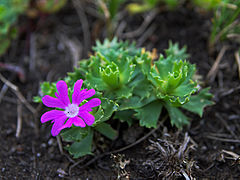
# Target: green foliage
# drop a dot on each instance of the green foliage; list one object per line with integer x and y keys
{"x": 50, "y": 6}
{"x": 113, "y": 6}
{"x": 83, "y": 147}
{"x": 9, "y": 12}
{"x": 146, "y": 5}
{"x": 199, "y": 101}
{"x": 225, "y": 22}
{"x": 109, "y": 9}
{"x": 207, "y": 4}
{"x": 133, "y": 87}
{"x": 46, "y": 89}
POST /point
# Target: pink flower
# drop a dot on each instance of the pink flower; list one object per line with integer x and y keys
{"x": 71, "y": 113}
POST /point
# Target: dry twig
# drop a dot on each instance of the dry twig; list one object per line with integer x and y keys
{"x": 60, "y": 144}
{"x": 84, "y": 22}
{"x": 234, "y": 155}
{"x": 19, "y": 119}
{"x": 22, "y": 100}
{"x": 230, "y": 91}
{"x": 223, "y": 121}
{"x": 18, "y": 94}
{"x": 75, "y": 48}
{"x": 148, "y": 19}
{"x": 238, "y": 62}
{"x": 146, "y": 35}
{"x": 223, "y": 139}
{"x": 213, "y": 71}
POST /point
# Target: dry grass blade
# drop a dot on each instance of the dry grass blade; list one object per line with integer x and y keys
{"x": 104, "y": 8}
{"x": 232, "y": 154}
{"x": 213, "y": 71}
{"x": 143, "y": 26}
{"x": 237, "y": 57}
{"x": 170, "y": 158}
{"x": 183, "y": 145}
{"x": 19, "y": 119}
{"x": 18, "y": 93}
{"x": 223, "y": 139}
{"x": 85, "y": 25}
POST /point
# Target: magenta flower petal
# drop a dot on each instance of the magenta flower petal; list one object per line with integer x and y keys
{"x": 52, "y": 102}
{"x": 92, "y": 103}
{"x": 87, "y": 95}
{"x": 87, "y": 117}
{"x": 75, "y": 120}
{"x": 58, "y": 123}
{"x": 52, "y": 115}
{"x": 77, "y": 91}
{"x": 63, "y": 92}
{"x": 79, "y": 122}
{"x": 82, "y": 95}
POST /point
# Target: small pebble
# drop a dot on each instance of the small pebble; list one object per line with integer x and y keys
{"x": 3, "y": 169}
{"x": 50, "y": 142}
{"x": 204, "y": 148}
{"x": 43, "y": 145}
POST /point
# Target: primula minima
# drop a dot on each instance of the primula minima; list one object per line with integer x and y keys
{"x": 72, "y": 113}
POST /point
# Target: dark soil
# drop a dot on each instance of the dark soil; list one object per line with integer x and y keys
{"x": 44, "y": 53}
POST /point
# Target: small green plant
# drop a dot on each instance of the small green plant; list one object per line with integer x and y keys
{"x": 207, "y": 4}
{"x": 225, "y": 22}
{"x": 133, "y": 87}
{"x": 50, "y": 6}
{"x": 9, "y": 12}
{"x": 146, "y": 5}
{"x": 109, "y": 9}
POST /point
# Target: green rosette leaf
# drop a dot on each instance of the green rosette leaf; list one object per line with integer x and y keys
{"x": 176, "y": 52}
{"x": 177, "y": 118}
{"x": 82, "y": 148}
{"x": 199, "y": 101}
{"x": 106, "y": 130}
{"x": 172, "y": 80}
{"x": 112, "y": 69}
{"x": 149, "y": 114}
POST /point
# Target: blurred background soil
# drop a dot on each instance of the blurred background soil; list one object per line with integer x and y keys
{"x": 51, "y": 46}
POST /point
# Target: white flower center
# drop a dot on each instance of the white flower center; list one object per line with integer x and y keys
{"x": 72, "y": 110}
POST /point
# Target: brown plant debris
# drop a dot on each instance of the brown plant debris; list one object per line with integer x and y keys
{"x": 170, "y": 158}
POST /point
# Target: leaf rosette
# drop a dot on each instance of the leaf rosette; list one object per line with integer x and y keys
{"x": 111, "y": 71}
{"x": 172, "y": 80}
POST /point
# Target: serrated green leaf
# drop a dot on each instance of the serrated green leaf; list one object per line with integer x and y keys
{"x": 107, "y": 130}
{"x": 82, "y": 148}
{"x": 110, "y": 74}
{"x": 149, "y": 114}
{"x": 74, "y": 133}
{"x": 135, "y": 102}
{"x": 177, "y": 118}
{"x": 143, "y": 89}
{"x": 125, "y": 116}
{"x": 96, "y": 82}
{"x": 198, "y": 102}
{"x": 105, "y": 111}
{"x": 124, "y": 92}
{"x": 176, "y": 53}
{"x": 127, "y": 68}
